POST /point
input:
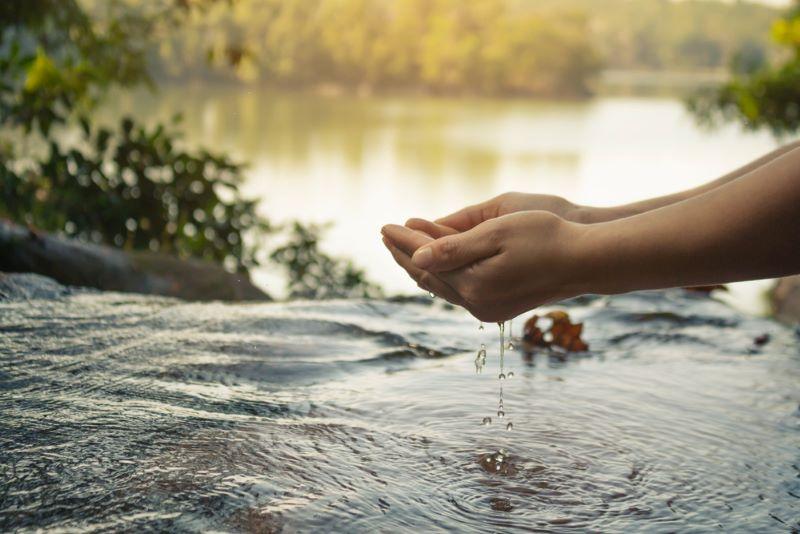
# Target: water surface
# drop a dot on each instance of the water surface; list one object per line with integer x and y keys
{"x": 129, "y": 412}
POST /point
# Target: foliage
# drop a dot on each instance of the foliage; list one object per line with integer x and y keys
{"x": 133, "y": 186}
{"x": 53, "y": 59}
{"x": 496, "y": 47}
{"x": 659, "y": 34}
{"x": 440, "y": 46}
{"x": 315, "y": 275}
{"x": 129, "y": 187}
{"x": 760, "y": 95}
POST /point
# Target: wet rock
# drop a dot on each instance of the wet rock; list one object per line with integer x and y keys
{"x": 75, "y": 263}
{"x": 24, "y": 286}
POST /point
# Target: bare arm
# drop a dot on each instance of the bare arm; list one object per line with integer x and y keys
{"x": 745, "y": 229}
{"x": 508, "y": 203}
{"x": 587, "y": 214}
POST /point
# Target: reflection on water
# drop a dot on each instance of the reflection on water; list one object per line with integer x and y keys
{"x": 122, "y": 412}
{"x": 364, "y": 162}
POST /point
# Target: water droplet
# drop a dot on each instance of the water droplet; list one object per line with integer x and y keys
{"x": 501, "y": 376}
{"x": 510, "y": 426}
{"x": 501, "y": 414}
{"x": 486, "y": 421}
{"x": 480, "y": 360}
{"x": 510, "y": 374}
{"x": 480, "y": 327}
{"x": 431, "y": 294}
{"x": 510, "y": 346}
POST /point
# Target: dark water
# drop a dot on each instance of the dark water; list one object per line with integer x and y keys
{"x": 126, "y": 412}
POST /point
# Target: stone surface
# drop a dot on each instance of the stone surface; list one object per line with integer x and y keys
{"x": 75, "y": 263}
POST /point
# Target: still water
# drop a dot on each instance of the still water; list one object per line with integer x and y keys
{"x": 361, "y": 163}
{"x": 123, "y": 412}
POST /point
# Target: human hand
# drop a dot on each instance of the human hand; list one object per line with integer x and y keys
{"x": 498, "y": 206}
{"x": 498, "y": 268}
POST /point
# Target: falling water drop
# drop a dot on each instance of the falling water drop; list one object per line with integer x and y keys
{"x": 501, "y": 376}
{"x": 480, "y": 359}
{"x": 431, "y": 294}
{"x": 510, "y": 374}
{"x": 501, "y": 414}
{"x": 480, "y": 327}
{"x": 510, "y": 426}
{"x": 486, "y": 421}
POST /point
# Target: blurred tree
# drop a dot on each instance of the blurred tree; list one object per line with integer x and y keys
{"x": 702, "y": 51}
{"x": 128, "y": 187}
{"x": 315, "y": 275}
{"x": 132, "y": 187}
{"x": 495, "y": 47}
{"x": 750, "y": 57}
{"x": 441, "y": 46}
{"x": 760, "y": 95}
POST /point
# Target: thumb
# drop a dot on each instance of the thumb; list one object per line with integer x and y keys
{"x": 455, "y": 251}
{"x": 471, "y": 216}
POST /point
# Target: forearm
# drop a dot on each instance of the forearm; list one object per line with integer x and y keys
{"x": 748, "y": 228}
{"x": 587, "y": 215}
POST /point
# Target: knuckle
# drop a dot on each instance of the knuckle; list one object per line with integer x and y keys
{"x": 496, "y": 233}
{"x": 447, "y": 249}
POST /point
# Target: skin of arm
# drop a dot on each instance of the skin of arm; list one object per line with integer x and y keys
{"x": 513, "y": 202}
{"x": 588, "y": 214}
{"x": 745, "y": 229}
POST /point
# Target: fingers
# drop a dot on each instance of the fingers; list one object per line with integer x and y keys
{"x": 404, "y": 238}
{"x": 425, "y": 280}
{"x": 470, "y": 217}
{"x": 459, "y": 250}
{"x": 430, "y": 228}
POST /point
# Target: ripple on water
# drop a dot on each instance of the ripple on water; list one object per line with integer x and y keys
{"x": 122, "y": 412}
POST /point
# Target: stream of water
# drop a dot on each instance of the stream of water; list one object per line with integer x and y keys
{"x": 123, "y": 412}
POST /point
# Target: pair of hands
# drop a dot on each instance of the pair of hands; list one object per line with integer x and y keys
{"x": 497, "y": 259}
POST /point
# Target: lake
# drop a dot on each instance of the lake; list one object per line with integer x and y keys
{"x": 363, "y": 162}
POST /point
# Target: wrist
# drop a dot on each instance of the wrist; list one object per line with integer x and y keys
{"x": 598, "y": 256}
{"x": 580, "y": 257}
{"x": 594, "y": 215}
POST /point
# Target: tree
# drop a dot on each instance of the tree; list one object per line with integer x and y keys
{"x": 760, "y": 95}
{"x": 131, "y": 187}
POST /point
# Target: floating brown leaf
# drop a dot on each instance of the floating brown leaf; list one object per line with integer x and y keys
{"x": 563, "y": 333}
{"x": 532, "y": 334}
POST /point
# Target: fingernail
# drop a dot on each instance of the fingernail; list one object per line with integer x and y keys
{"x": 423, "y": 257}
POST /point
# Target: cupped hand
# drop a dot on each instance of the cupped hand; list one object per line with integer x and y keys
{"x": 496, "y": 269}
{"x": 504, "y": 204}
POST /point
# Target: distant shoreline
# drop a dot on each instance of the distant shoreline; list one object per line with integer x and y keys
{"x": 611, "y": 82}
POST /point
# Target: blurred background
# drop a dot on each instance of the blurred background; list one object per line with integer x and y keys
{"x": 276, "y": 137}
